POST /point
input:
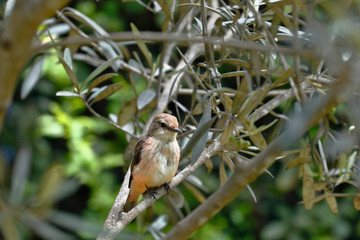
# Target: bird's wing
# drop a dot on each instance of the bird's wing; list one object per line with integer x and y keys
{"x": 137, "y": 155}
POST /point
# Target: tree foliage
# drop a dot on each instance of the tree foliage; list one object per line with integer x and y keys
{"x": 255, "y": 85}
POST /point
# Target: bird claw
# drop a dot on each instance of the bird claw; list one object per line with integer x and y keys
{"x": 167, "y": 187}
{"x": 150, "y": 192}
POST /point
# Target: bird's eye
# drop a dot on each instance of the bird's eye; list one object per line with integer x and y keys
{"x": 163, "y": 124}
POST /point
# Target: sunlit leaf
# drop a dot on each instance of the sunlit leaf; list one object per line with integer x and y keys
{"x": 66, "y": 94}
{"x": 50, "y": 127}
{"x": 32, "y": 77}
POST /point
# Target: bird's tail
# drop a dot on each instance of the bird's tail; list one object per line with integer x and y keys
{"x": 131, "y": 200}
{"x": 128, "y": 206}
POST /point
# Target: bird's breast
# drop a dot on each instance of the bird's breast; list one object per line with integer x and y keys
{"x": 164, "y": 159}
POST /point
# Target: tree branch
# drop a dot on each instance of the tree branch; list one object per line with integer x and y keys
{"x": 246, "y": 172}
{"x": 116, "y": 221}
{"x": 17, "y": 39}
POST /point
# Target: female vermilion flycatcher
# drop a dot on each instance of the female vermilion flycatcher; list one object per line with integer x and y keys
{"x": 156, "y": 158}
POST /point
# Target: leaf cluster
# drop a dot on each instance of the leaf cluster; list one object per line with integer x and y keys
{"x": 231, "y": 73}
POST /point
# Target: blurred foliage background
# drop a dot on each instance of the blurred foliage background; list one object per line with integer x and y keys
{"x": 61, "y": 167}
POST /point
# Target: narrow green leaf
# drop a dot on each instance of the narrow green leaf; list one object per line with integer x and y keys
{"x": 227, "y": 133}
{"x": 32, "y": 77}
{"x": 221, "y": 124}
{"x": 356, "y": 202}
{"x": 222, "y": 172}
{"x": 254, "y": 100}
{"x": 188, "y": 65}
{"x": 106, "y": 92}
{"x": 255, "y": 135}
{"x": 20, "y": 174}
{"x": 142, "y": 45}
{"x": 284, "y": 78}
{"x": 145, "y": 98}
{"x": 9, "y": 228}
{"x": 196, "y": 136}
{"x": 99, "y": 80}
{"x": 67, "y": 58}
{"x": 222, "y": 14}
{"x": 233, "y": 74}
{"x": 127, "y": 112}
{"x": 200, "y": 144}
{"x": 303, "y": 158}
{"x": 85, "y": 20}
{"x": 195, "y": 192}
{"x": 50, "y": 182}
{"x": 307, "y": 190}
{"x": 100, "y": 69}
{"x": 165, "y": 7}
{"x": 240, "y": 96}
{"x": 331, "y": 201}
{"x": 71, "y": 74}
{"x": 66, "y": 94}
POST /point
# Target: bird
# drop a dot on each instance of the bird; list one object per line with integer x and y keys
{"x": 156, "y": 158}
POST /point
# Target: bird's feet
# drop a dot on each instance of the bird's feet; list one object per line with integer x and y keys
{"x": 151, "y": 192}
{"x": 167, "y": 187}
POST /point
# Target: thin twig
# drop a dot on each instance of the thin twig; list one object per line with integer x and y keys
{"x": 105, "y": 119}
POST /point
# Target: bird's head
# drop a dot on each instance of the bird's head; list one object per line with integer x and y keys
{"x": 164, "y": 127}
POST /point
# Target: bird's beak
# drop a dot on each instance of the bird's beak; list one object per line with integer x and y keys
{"x": 174, "y": 129}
